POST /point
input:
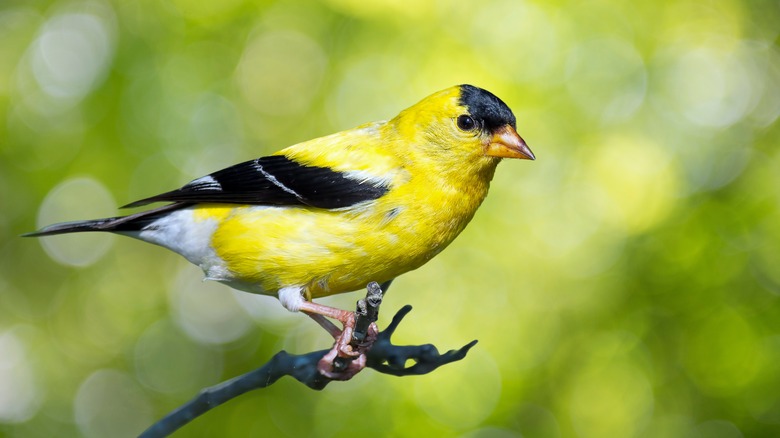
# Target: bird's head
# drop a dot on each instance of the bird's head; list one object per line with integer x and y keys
{"x": 464, "y": 122}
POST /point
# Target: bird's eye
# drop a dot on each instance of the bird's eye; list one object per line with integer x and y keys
{"x": 466, "y": 123}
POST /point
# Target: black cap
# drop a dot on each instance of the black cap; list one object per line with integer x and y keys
{"x": 486, "y": 108}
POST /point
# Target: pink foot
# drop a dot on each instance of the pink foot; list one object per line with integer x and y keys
{"x": 347, "y": 358}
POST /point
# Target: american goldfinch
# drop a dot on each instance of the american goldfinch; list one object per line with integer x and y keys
{"x": 330, "y": 215}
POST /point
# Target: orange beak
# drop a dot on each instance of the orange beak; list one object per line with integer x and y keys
{"x": 506, "y": 143}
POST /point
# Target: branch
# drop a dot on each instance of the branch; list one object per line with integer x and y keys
{"x": 382, "y": 356}
{"x": 388, "y": 358}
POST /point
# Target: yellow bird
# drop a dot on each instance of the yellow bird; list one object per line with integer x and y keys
{"x": 330, "y": 215}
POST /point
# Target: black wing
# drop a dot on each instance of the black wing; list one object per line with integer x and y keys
{"x": 275, "y": 180}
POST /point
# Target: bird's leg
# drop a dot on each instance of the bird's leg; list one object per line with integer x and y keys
{"x": 326, "y": 324}
{"x": 343, "y": 337}
{"x": 312, "y": 308}
{"x": 348, "y": 355}
{"x": 292, "y": 298}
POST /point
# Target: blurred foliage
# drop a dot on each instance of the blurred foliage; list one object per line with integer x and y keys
{"x": 627, "y": 283}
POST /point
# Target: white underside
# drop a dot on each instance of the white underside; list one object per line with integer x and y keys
{"x": 180, "y": 232}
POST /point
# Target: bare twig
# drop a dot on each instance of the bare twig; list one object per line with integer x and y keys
{"x": 390, "y": 359}
{"x": 382, "y": 356}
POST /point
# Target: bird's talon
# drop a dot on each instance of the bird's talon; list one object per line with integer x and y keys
{"x": 347, "y": 357}
{"x": 331, "y": 367}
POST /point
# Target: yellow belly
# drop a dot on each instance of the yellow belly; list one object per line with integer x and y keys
{"x": 329, "y": 252}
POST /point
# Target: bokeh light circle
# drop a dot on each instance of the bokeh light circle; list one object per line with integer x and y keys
{"x": 20, "y": 393}
{"x": 74, "y": 50}
{"x": 167, "y": 361}
{"x": 461, "y": 396}
{"x": 281, "y": 71}
{"x": 206, "y": 310}
{"x": 111, "y": 403}
{"x": 606, "y": 78}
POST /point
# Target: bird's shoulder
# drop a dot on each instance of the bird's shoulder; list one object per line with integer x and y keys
{"x": 367, "y": 149}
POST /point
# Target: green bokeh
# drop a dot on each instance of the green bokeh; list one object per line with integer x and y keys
{"x": 627, "y": 283}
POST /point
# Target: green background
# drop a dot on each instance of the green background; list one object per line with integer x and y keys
{"x": 627, "y": 283}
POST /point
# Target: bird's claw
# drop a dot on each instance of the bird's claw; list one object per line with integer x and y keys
{"x": 347, "y": 357}
{"x": 349, "y": 353}
{"x": 336, "y": 367}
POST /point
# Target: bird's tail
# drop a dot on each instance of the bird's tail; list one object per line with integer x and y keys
{"x": 133, "y": 222}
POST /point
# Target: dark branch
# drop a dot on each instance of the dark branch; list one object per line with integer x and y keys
{"x": 302, "y": 367}
{"x": 391, "y": 359}
{"x": 382, "y": 356}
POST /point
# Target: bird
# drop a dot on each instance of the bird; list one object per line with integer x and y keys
{"x": 329, "y": 215}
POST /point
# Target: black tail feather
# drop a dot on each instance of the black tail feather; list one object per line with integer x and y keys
{"x": 74, "y": 227}
{"x": 133, "y": 222}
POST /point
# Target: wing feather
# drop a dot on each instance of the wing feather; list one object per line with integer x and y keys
{"x": 276, "y": 180}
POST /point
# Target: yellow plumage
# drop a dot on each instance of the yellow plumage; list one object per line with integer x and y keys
{"x": 394, "y": 195}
